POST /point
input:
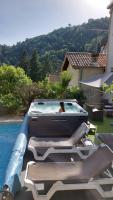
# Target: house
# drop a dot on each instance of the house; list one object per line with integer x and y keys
{"x": 91, "y": 71}
{"x": 82, "y": 66}
{"x": 107, "y": 77}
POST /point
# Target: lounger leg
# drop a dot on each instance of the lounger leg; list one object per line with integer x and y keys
{"x": 53, "y": 150}
{"x": 28, "y": 183}
{"x": 67, "y": 187}
{"x": 59, "y": 186}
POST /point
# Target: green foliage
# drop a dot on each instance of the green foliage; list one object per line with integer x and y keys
{"x": 48, "y": 63}
{"x": 107, "y": 88}
{"x": 27, "y": 94}
{"x": 53, "y": 46}
{"x": 65, "y": 79}
{"x": 17, "y": 90}
{"x": 11, "y": 102}
{"x": 59, "y": 90}
{"x": 35, "y": 67}
{"x": 76, "y": 93}
{"x": 12, "y": 78}
{"x": 24, "y": 62}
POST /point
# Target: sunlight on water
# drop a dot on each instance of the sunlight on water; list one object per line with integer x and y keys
{"x": 53, "y": 107}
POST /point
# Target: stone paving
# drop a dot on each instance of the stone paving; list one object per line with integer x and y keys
{"x": 26, "y": 194}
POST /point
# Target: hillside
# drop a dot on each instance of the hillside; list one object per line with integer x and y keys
{"x": 52, "y": 47}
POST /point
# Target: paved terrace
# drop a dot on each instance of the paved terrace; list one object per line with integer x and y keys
{"x": 11, "y": 118}
{"x": 26, "y": 194}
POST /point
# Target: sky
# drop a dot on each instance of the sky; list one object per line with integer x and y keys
{"x": 21, "y": 19}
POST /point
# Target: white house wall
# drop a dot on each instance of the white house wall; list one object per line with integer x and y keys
{"x": 85, "y": 74}
{"x": 74, "y": 76}
{"x": 90, "y": 72}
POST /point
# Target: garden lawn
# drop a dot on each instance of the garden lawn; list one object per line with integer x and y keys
{"x": 104, "y": 127}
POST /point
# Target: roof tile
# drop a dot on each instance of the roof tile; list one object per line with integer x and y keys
{"x": 78, "y": 59}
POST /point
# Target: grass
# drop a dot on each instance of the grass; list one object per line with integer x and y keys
{"x": 105, "y": 126}
{"x": 102, "y": 127}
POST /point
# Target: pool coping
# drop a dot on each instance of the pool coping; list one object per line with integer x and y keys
{"x": 10, "y": 118}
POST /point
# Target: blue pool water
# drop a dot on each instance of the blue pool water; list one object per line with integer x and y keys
{"x": 8, "y": 135}
{"x": 53, "y": 107}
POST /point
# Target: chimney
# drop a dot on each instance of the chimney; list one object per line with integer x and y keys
{"x": 94, "y": 59}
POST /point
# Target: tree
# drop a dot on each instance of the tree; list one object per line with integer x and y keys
{"x": 11, "y": 78}
{"x": 62, "y": 86}
{"x": 59, "y": 90}
{"x": 24, "y": 62}
{"x": 65, "y": 79}
{"x": 48, "y": 63}
{"x": 35, "y": 67}
{"x": 107, "y": 89}
{"x": 27, "y": 94}
{"x": 10, "y": 102}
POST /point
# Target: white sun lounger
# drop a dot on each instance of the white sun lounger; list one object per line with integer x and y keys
{"x": 46, "y": 178}
{"x": 43, "y": 147}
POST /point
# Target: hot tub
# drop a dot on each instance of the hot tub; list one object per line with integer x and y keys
{"x": 45, "y": 120}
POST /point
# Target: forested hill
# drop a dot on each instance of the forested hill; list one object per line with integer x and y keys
{"x": 52, "y": 47}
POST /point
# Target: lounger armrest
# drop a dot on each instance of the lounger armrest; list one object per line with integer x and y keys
{"x": 106, "y": 138}
{"x": 82, "y": 130}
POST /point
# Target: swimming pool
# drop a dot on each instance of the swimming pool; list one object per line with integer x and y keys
{"x": 8, "y": 136}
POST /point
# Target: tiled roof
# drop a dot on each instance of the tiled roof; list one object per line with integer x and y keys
{"x": 78, "y": 59}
